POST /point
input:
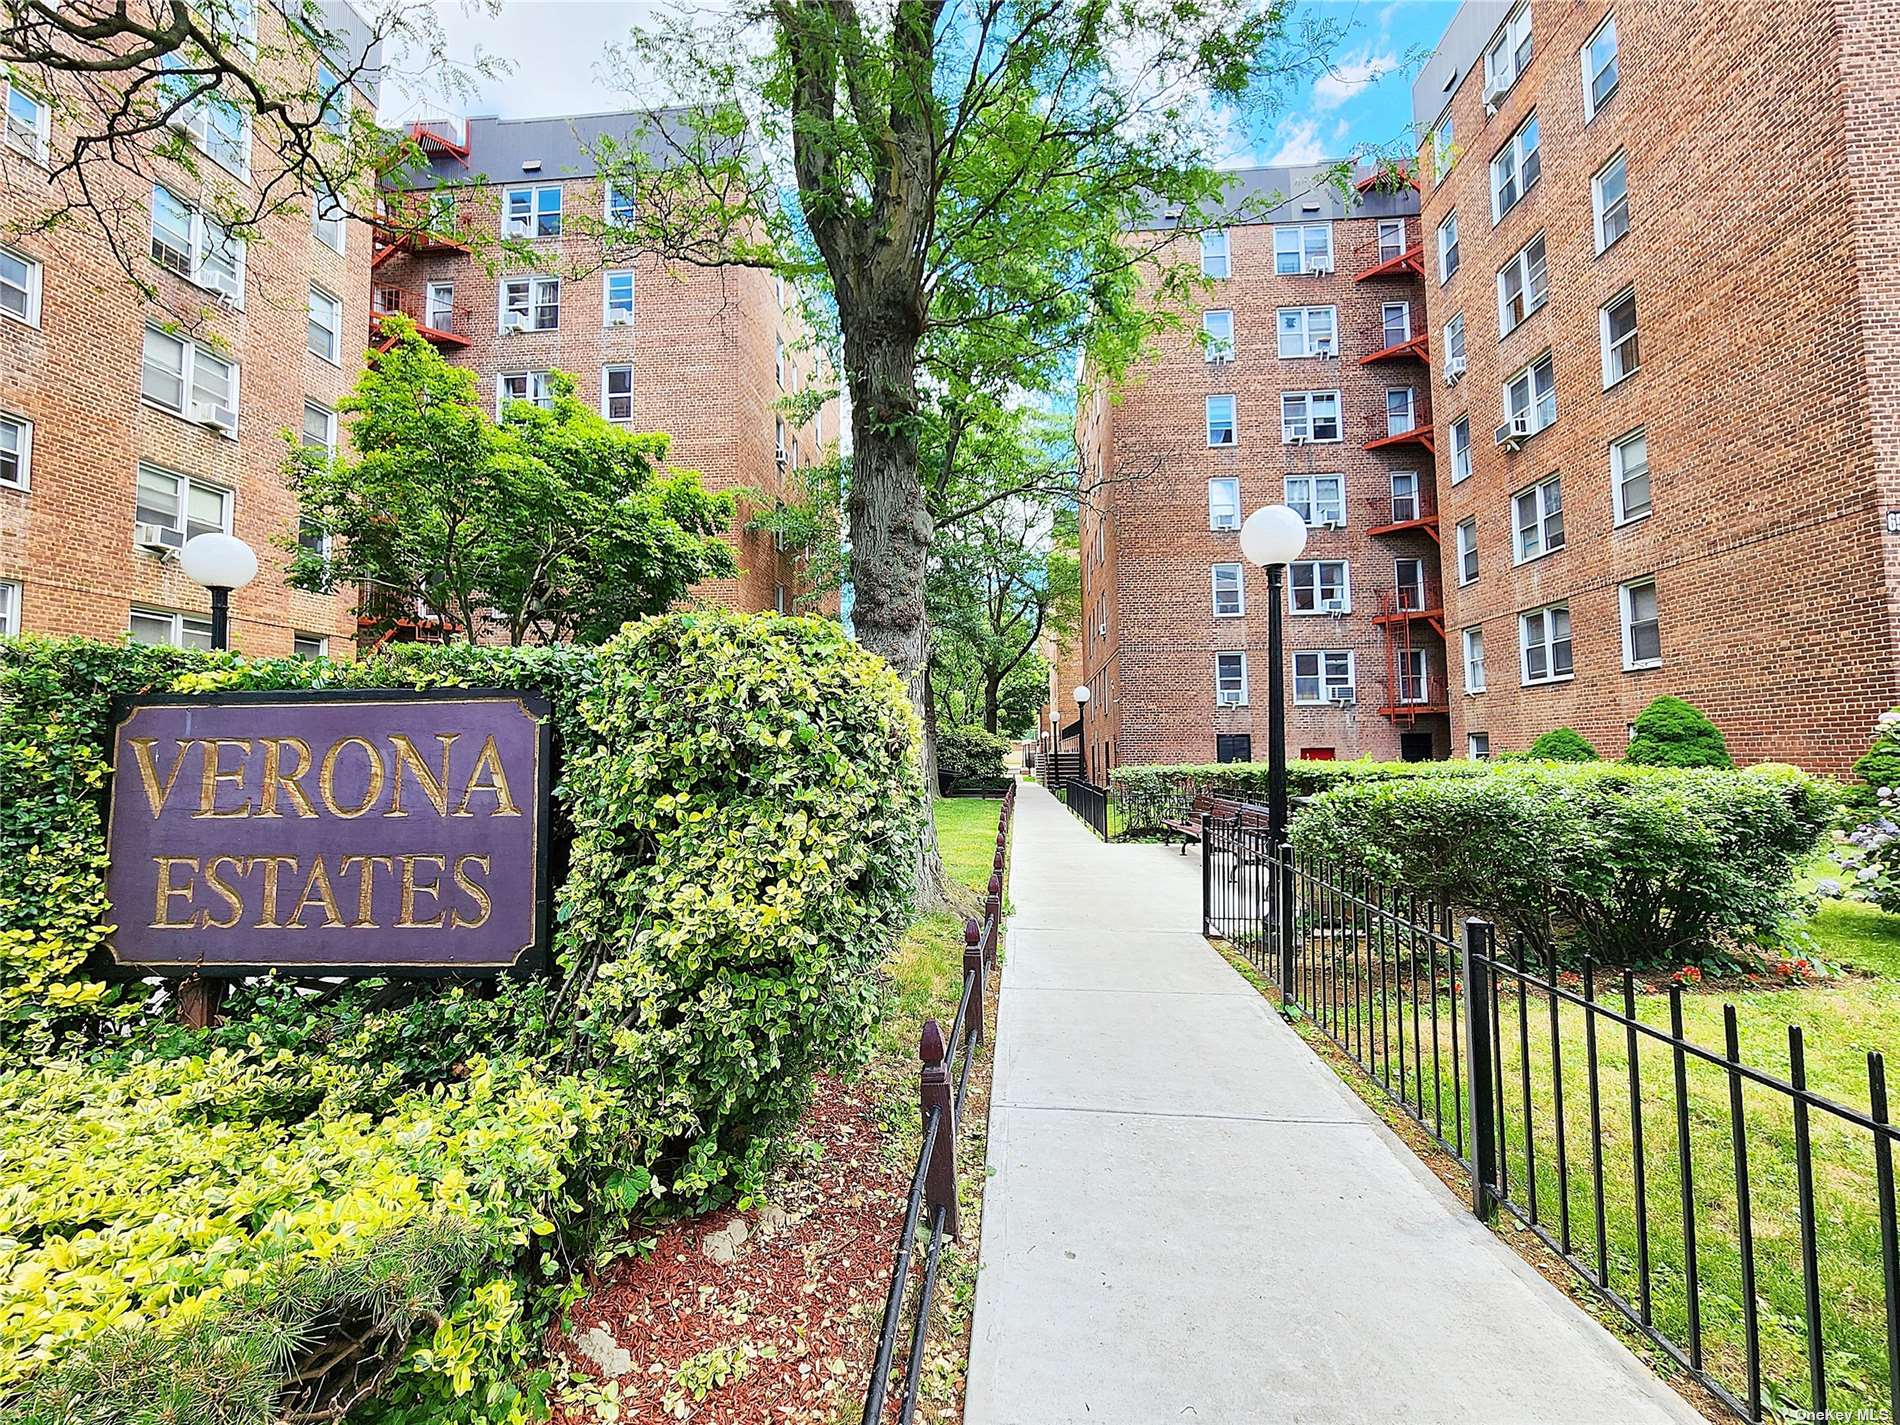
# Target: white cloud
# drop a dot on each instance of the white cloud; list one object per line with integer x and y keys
{"x": 1351, "y": 77}
{"x": 1299, "y": 143}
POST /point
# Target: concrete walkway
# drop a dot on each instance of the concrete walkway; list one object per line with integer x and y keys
{"x": 1189, "y": 1218}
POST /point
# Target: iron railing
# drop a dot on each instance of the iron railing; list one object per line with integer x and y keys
{"x": 933, "y": 1186}
{"x": 1090, "y": 803}
{"x": 1705, "y": 1220}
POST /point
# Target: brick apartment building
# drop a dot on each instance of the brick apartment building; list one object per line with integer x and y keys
{"x": 1303, "y": 379}
{"x": 1663, "y": 250}
{"x": 699, "y": 353}
{"x": 127, "y": 425}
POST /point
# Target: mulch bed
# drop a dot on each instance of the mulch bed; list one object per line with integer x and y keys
{"x": 798, "y": 1301}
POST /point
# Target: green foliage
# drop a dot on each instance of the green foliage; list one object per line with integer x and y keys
{"x": 1152, "y": 795}
{"x": 1673, "y": 733}
{"x": 970, "y": 754}
{"x": 1639, "y": 866}
{"x": 1561, "y": 744}
{"x": 1879, "y": 765}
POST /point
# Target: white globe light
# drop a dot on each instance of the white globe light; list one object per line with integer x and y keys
{"x": 218, "y": 561}
{"x": 1273, "y": 535}
{"x": 1081, "y": 693}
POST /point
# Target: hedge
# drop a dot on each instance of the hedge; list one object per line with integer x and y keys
{"x": 400, "y": 1173}
{"x": 971, "y": 754}
{"x": 1639, "y": 866}
{"x": 1154, "y": 794}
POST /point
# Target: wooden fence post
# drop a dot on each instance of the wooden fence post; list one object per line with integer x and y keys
{"x": 940, "y": 1178}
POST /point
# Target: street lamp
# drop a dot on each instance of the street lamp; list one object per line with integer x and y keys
{"x": 1273, "y": 538}
{"x": 1081, "y": 709}
{"x": 220, "y": 562}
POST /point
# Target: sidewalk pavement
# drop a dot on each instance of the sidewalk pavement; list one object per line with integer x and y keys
{"x": 1189, "y": 1218}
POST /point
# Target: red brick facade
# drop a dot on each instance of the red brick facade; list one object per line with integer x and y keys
{"x": 1761, "y": 145}
{"x": 1150, "y": 630}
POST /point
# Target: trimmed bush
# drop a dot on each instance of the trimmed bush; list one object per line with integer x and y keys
{"x": 1639, "y": 866}
{"x": 1561, "y": 744}
{"x": 970, "y": 754}
{"x": 1879, "y": 765}
{"x": 1672, "y": 733}
{"x": 1151, "y": 795}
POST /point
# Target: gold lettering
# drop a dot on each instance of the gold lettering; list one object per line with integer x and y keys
{"x": 157, "y": 794}
{"x": 410, "y": 889}
{"x": 497, "y": 784}
{"x": 437, "y": 791}
{"x": 475, "y": 892}
{"x": 230, "y": 897}
{"x": 275, "y": 779}
{"x": 267, "y": 912}
{"x": 317, "y": 892}
{"x": 365, "y": 888}
{"x": 161, "y": 911}
{"x": 326, "y": 778}
{"x": 215, "y": 774}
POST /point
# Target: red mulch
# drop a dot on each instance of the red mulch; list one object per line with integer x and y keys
{"x": 809, "y": 1287}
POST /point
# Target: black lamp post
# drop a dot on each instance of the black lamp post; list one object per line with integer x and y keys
{"x": 1081, "y": 719}
{"x": 221, "y": 563}
{"x": 1273, "y": 537}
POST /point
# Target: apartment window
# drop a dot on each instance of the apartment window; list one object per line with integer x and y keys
{"x": 1408, "y": 583}
{"x": 1319, "y": 586}
{"x": 530, "y": 304}
{"x": 616, "y": 392}
{"x": 16, "y": 452}
{"x": 1318, "y": 499}
{"x": 1642, "y": 633}
{"x": 531, "y": 212}
{"x": 1217, "y": 335}
{"x": 1399, "y": 414}
{"x": 1233, "y": 747}
{"x": 1478, "y": 746}
{"x": 1220, "y": 420}
{"x": 334, "y": 96}
{"x": 1467, "y": 543}
{"x": 319, "y": 428}
{"x": 1618, "y": 323}
{"x": 1308, "y": 331}
{"x": 780, "y": 601}
{"x": 187, "y": 242}
{"x": 1530, "y": 399}
{"x": 778, "y": 363}
{"x": 1455, "y": 346}
{"x": 1223, "y": 503}
{"x": 1474, "y": 660}
{"x": 1230, "y": 599}
{"x": 617, "y": 208}
{"x": 1510, "y": 53}
{"x": 1395, "y": 323}
{"x": 189, "y": 380}
{"x": 530, "y": 386}
{"x": 1309, "y": 416}
{"x": 1323, "y": 675}
{"x": 309, "y": 645}
{"x": 179, "y": 508}
{"x": 1442, "y": 151}
{"x": 438, "y": 306}
{"x": 1447, "y": 248}
{"x": 1305, "y": 247}
{"x": 29, "y": 127}
{"x": 9, "y": 609}
{"x": 1406, "y": 502}
{"x": 1230, "y": 680}
{"x": 1598, "y": 59}
{"x": 1544, "y": 644}
{"x": 1461, "y": 449}
{"x": 19, "y": 287}
{"x": 1610, "y": 202}
{"x": 209, "y": 120}
{"x": 1391, "y": 238}
{"x": 1214, "y": 261}
{"x": 781, "y": 446}
{"x": 1523, "y": 285}
{"x": 326, "y": 326}
{"x": 1539, "y": 520}
{"x": 1415, "y": 679}
{"x": 1515, "y": 170}
{"x": 177, "y": 630}
{"x": 327, "y": 221}
{"x": 1629, "y": 476}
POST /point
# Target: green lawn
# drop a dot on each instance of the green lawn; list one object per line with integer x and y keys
{"x": 1841, "y": 1021}
{"x": 966, "y": 834}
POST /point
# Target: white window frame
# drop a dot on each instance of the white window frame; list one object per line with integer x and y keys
{"x": 191, "y": 357}
{"x": 10, "y": 608}
{"x": 1531, "y": 271}
{"x": 195, "y": 121}
{"x": 177, "y": 621}
{"x": 1506, "y": 56}
{"x": 1412, "y": 498}
{"x": 532, "y": 286}
{"x": 184, "y": 487}
{"x": 1385, "y": 228}
{"x": 200, "y": 240}
{"x": 606, "y": 399}
{"x": 1315, "y": 569}
{"x": 1461, "y": 450}
{"x": 1213, "y": 511}
{"x": 1399, "y": 422}
{"x": 1474, "y": 659}
{"x": 1443, "y": 137}
{"x": 1301, "y": 421}
{"x": 1386, "y": 309}
{"x": 536, "y": 381}
{"x": 1457, "y": 353}
{"x": 1233, "y": 423}
{"x": 1307, "y": 502}
{"x": 525, "y": 225}
{"x": 1306, "y": 262}
{"x": 1326, "y": 665}
{"x": 1465, "y": 547}
{"x": 1600, "y": 210}
{"x": 1423, "y": 678}
{"x": 322, "y": 640}
{"x": 1619, "y": 477}
{"x": 335, "y": 354}
{"x": 331, "y": 231}
{"x": 1309, "y": 340}
{"x": 31, "y": 292}
{"x": 1477, "y": 747}
{"x": 438, "y": 298}
{"x": 1239, "y": 698}
{"x": 34, "y": 141}
{"x": 1592, "y": 106}
{"x": 1626, "y": 617}
{"x": 609, "y": 307}
{"x": 1549, "y": 645}
{"x": 23, "y": 451}
{"x": 1217, "y": 346}
{"x": 1449, "y": 256}
{"x": 1614, "y": 349}
{"x": 609, "y": 191}
{"x": 1546, "y": 505}
{"x": 311, "y": 407}
{"x": 1515, "y": 157}
{"x": 1534, "y": 404}
{"x": 1238, "y": 588}
{"x": 1216, "y": 252}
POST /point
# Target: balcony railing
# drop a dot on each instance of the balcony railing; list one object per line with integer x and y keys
{"x": 435, "y": 220}
{"x": 1373, "y": 258}
{"x": 1389, "y": 426}
{"x": 1384, "y": 341}
{"x": 1395, "y": 512}
{"x": 444, "y": 325}
{"x": 441, "y": 136}
{"x": 1423, "y": 598}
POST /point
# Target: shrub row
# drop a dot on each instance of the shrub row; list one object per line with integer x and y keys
{"x": 1150, "y": 796}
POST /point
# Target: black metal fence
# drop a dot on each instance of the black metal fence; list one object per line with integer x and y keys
{"x": 1090, "y": 803}
{"x": 946, "y": 1061}
{"x": 1682, "y": 1184}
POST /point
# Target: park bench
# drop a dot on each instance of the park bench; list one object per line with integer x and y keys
{"x": 1188, "y": 826}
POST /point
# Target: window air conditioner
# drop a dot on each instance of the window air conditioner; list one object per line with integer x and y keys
{"x": 1225, "y": 522}
{"x": 1219, "y": 358}
{"x": 514, "y": 323}
{"x": 1320, "y": 268}
{"x": 1334, "y": 606}
{"x": 620, "y": 319}
{"x": 159, "y": 538}
{"x": 1347, "y": 694}
{"x": 1454, "y": 368}
{"x": 1297, "y": 439}
{"x": 209, "y": 413}
{"x": 1228, "y": 700}
{"x": 1512, "y": 433}
{"x": 1331, "y": 523}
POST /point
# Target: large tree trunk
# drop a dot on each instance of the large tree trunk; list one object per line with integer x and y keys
{"x": 992, "y": 687}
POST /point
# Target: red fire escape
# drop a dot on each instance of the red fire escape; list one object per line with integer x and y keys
{"x": 422, "y": 222}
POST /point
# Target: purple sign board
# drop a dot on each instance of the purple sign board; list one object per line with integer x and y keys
{"x": 330, "y": 833}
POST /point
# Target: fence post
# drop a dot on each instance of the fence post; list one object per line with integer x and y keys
{"x": 975, "y": 954}
{"x": 1207, "y": 860}
{"x": 940, "y": 1178}
{"x": 1283, "y": 862}
{"x": 1479, "y": 1090}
